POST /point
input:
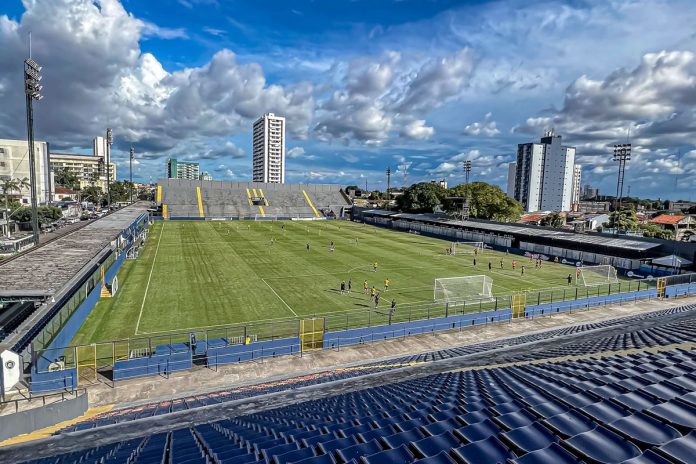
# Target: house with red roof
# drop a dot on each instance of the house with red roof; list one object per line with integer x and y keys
{"x": 678, "y": 223}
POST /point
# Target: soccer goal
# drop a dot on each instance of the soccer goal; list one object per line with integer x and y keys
{"x": 467, "y": 248}
{"x": 463, "y": 289}
{"x": 598, "y": 275}
{"x": 267, "y": 217}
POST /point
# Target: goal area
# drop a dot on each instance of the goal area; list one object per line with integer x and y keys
{"x": 597, "y": 275}
{"x": 453, "y": 290}
{"x": 466, "y": 248}
{"x": 267, "y": 217}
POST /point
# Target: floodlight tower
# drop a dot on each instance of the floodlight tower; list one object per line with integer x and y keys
{"x": 388, "y": 184}
{"x": 109, "y": 141}
{"x": 32, "y": 90}
{"x": 132, "y": 155}
{"x": 622, "y": 154}
{"x": 466, "y": 209}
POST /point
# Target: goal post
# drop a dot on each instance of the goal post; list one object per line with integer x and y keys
{"x": 468, "y": 248}
{"x": 267, "y": 217}
{"x": 598, "y": 275}
{"x": 454, "y": 290}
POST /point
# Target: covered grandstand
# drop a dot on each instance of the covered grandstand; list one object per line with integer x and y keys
{"x": 193, "y": 199}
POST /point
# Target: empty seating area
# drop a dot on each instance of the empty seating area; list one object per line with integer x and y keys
{"x": 249, "y": 199}
{"x": 655, "y": 335}
{"x": 620, "y": 409}
{"x": 13, "y": 315}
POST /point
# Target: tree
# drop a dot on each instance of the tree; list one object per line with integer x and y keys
{"x": 46, "y": 214}
{"x": 625, "y": 219}
{"x": 120, "y": 191}
{"x": 486, "y": 201}
{"x": 554, "y": 220}
{"x": 148, "y": 195}
{"x": 10, "y": 185}
{"x": 66, "y": 178}
{"x": 653, "y": 230}
{"x": 93, "y": 194}
{"x": 421, "y": 198}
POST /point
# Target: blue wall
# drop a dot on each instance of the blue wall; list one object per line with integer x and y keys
{"x": 173, "y": 358}
{"x": 217, "y": 354}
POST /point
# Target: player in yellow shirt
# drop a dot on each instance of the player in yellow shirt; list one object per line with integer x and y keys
{"x": 386, "y": 285}
{"x": 374, "y": 266}
{"x": 365, "y": 287}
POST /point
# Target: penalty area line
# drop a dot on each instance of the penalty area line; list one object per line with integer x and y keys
{"x": 147, "y": 287}
{"x": 282, "y": 300}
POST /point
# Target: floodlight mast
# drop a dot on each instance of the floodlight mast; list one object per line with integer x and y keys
{"x": 388, "y": 184}
{"x": 32, "y": 90}
{"x": 622, "y": 154}
{"x": 132, "y": 155}
{"x": 466, "y": 209}
{"x": 109, "y": 141}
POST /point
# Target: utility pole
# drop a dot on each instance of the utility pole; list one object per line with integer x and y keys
{"x": 132, "y": 155}
{"x": 109, "y": 141}
{"x": 32, "y": 89}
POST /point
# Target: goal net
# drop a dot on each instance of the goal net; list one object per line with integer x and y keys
{"x": 267, "y": 217}
{"x": 466, "y": 248}
{"x": 598, "y": 275}
{"x": 463, "y": 289}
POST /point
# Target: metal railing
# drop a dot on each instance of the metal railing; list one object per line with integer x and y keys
{"x": 44, "y": 399}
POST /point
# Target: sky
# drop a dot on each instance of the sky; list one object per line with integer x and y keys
{"x": 415, "y": 85}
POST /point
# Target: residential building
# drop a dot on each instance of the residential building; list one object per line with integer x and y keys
{"x": 182, "y": 170}
{"x": 442, "y": 183}
{"x": 512, "y": 172}
{"x": 594, "y": 206}
{"x": 677, "y": 223}
{"x": 14, "y": 164}
{"x": 268, "y": 149}
{"x": 89, "y": 169}
{"x": 593, "y": 221}
{"x": 206, "y": 176}
{"x": 61, "y": 193}
{"x": 544, "y": 174}
{"x": 589, "y": 192}
{"x": 577, "y": 186}
{"x": 680, "y": 205}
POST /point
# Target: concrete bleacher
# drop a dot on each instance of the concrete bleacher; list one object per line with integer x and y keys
{"x": 222, "y": 199}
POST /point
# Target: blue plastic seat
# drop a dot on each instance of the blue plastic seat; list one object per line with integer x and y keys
{"x": 677, "y": 413}
{"x": 635, "y": 400}
{"x": 549, "y": 409}
{"x": 554, "y": 454}
{"x": 605, "y": 411}
{"x": 355, "y": 451}
{"x": 682, "y": 450}
{"x": 664, "y": 390}
{"x": 530, "y": 437}
{"x": 436, "y": 428}
{"x": 602, "y": 445}
{"x": 645, "y": 430}
{"x": 323, "y": 459}
{"x": 569, "y": 423}
{"x": 400, "y": 455}
{"x": 292, "y": 456}
{"x": 337, "y": 443}
{"x": 402, "y": 438}
{"x": 478, "y": 431}
{"x": 440, "y": 458}
{"x": 432, "y": 446}
{"x": 649, "y": 457}
{"x": 513, "y": 420}
{"x": 489, "y": 450}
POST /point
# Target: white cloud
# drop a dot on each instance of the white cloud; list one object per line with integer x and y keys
{"x": 487, "y": 127}
{"x": 295, "y": 152}
{"x": 418, "y": 130}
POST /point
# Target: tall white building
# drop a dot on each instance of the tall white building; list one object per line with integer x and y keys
{"x": 182, "y": 170}
{"x": 544, "y": 174}
{"x": 14, "y": 164}
{"x": 512, "y": 171}
{"x": 269, "y": 149}
{"x": 577, "y": 186}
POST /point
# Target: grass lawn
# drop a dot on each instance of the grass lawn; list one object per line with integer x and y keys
{"x": 200, "y": 274}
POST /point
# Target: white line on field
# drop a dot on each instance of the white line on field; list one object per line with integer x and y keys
{"x": 147, "y": 287}
{"x": 282, "y": 300}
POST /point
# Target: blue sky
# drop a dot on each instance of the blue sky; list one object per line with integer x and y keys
{"x": 415, "y": 85}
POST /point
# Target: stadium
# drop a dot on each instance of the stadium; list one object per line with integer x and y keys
{"x": 250, "y": 322}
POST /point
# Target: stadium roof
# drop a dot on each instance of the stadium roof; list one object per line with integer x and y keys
{"x": 49, "y": 268}
{"x": 530, "y": 231}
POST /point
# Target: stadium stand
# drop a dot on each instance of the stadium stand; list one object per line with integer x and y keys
{"x": 221, "y": 199}
{"x": 622, "y": 408}
{"x": 658, "y": 333}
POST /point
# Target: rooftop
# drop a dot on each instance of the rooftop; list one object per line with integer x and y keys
{"x": 667, "y": 219}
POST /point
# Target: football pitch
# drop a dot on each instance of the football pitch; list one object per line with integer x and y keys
{"x": 202, "y": 274}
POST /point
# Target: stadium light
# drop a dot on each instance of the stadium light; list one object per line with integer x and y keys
{"x": 388, "y": 184}
{"x": 32, "y": 90}
{"x": 109, "y": 141}
{"x": 467, "y": 170}
{"x": 466, "y": 165}
{"x": 132, "y": 155}
{"x": 622, "y": 154}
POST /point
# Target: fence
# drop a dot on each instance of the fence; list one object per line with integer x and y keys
{"x": 258, "y": 340}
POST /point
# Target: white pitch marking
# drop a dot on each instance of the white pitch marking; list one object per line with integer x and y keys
{"x": 147, "y": 287}
{"x": 282, "y": 300}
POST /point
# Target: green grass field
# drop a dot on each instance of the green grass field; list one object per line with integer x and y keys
{"x": 199, "y": 274}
